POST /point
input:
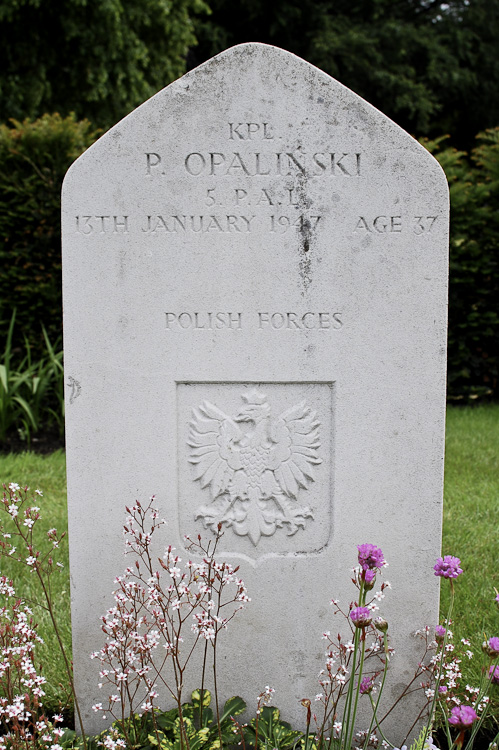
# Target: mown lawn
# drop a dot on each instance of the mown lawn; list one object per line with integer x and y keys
{"x": 471, "y": 526}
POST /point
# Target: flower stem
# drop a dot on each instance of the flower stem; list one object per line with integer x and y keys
{"x": 440, "y": 668}
{"x": 375, "y": 706}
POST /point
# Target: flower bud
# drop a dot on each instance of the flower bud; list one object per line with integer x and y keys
{"x": 439, "y": 633}
{"x": 381, "y": 624}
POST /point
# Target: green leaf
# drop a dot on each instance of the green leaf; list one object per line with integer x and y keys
{"x": 196, "y": 698}
{"x": 233, "y": 707}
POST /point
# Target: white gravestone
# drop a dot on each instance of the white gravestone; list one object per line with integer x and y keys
{"x": 255, "y": 276}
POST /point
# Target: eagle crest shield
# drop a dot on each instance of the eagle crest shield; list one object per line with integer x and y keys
{"x": 254, "y": 465}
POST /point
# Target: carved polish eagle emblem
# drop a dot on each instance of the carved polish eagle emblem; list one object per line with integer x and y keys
{"x": 254, "y": 465}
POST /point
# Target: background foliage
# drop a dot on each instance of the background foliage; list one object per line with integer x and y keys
{"x": 473, "y": 347}
{"x": 34, "y": 156}
{"x": 97, "y": 58}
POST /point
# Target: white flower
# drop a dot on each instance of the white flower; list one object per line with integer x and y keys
{"x": 31, "y": 560}
{"x": 13, "y": 486}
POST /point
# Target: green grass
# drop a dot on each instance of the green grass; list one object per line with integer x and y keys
{"x": 47, "y": 473}
{"x": 471, "y": 524}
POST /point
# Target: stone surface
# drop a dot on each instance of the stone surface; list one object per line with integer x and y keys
{"x": 258, "y": 243}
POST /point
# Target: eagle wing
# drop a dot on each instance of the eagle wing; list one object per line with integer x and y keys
{"x": 295, "y": 453}
{"x": 213, "y": 451}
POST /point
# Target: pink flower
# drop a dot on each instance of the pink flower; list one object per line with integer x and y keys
{"x": 448, "y": 567}
{"x": 360, "y": 616}
{"x": 494, "y": 675}
{"x": 462, "y": 717}
{"x": 370, "y": 557}
{"x": 494, "y": 647}
{"x": 440, "y": 632}
{"x": 366, "y": 685}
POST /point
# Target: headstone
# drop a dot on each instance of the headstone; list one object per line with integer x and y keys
{"x": 259, "y": 256}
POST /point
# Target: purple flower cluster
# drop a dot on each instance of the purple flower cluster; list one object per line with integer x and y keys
{"x": 448, "y": 567}
{"x": 494, "y": 647}
{"x": 366, "y": 685}
{"x": 440, "y": 632}
{"x": 494, "y": 675}
{"x": 361, "y": 616}
{"x": 462, "y": 717}
{"x": 370, "y": 557}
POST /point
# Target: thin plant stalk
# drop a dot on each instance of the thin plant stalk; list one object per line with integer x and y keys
{"x": 440, "y": 668}
{"x": 67, "y": 664}
{"x": 348, "y": 703}
{"x": 357, "y": 689}
{"x": 375, "y": 706}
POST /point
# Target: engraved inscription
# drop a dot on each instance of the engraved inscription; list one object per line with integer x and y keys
{"x": 246, "y": 131}
{"x": 204, "y": 224}
{"x": 254, "y": 465}
{"x": 203, "y": 321}
{"x": 290, "y": 321}
{"x": 104, "y": 224}
{"x": 380, "y": 224}
{"x": 423, "y": 224}
{"x": 262, "y": 164}
{"x": 390, "y": 224}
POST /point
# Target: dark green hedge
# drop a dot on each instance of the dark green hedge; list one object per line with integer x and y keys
{"x": 34, "y": 156}
{"x": 473, "y": 347}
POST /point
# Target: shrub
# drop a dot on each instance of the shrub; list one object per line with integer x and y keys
{"x": 473, "y": 354}
{"x": 34, "y": 156}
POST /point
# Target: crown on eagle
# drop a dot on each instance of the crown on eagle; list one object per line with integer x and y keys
{"x": 254, "y": 397}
